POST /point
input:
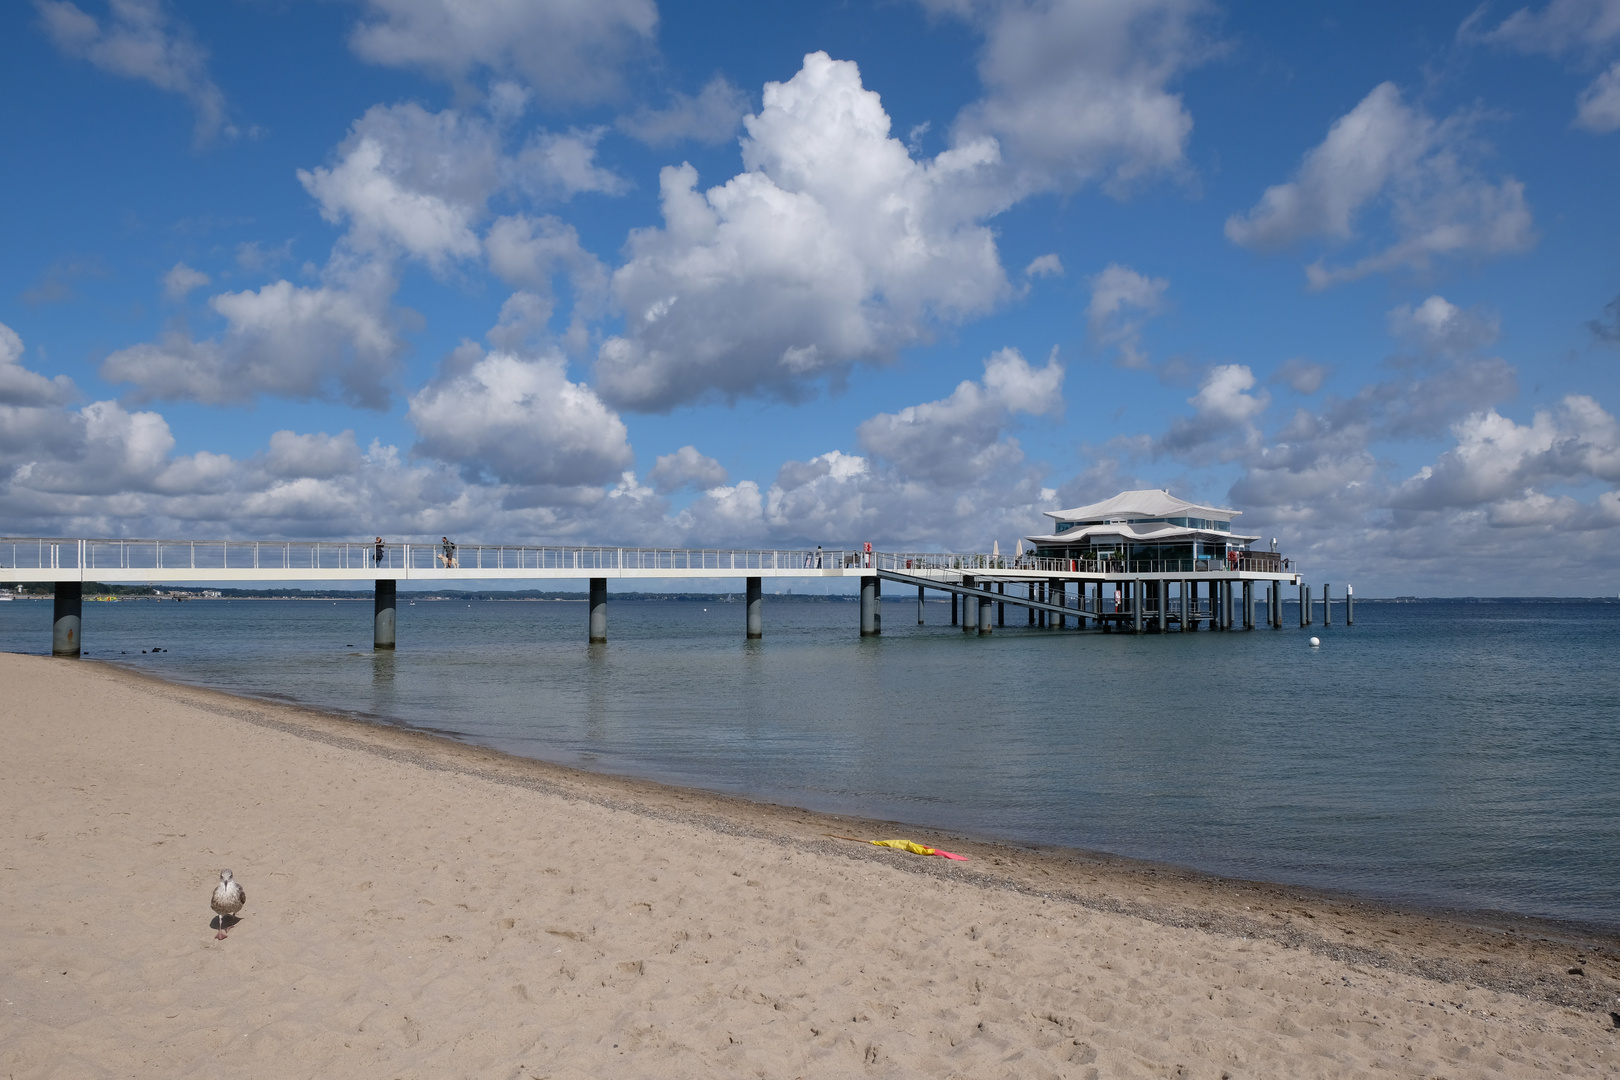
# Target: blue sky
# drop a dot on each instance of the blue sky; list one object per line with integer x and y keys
{"x": 755, "y": 275}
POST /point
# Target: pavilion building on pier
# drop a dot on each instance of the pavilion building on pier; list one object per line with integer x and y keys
{"x": 1151, "y": 531}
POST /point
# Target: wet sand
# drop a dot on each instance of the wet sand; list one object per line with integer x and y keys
{"x": 418, "y": 907}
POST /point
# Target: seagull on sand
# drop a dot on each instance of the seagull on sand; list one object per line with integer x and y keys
{"x": 228, "y": 898}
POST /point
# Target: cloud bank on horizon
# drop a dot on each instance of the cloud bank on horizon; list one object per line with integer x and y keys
{"x": 606, "y": 273}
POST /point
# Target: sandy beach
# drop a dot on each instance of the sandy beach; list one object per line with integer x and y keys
{"x": 421, "y": 908}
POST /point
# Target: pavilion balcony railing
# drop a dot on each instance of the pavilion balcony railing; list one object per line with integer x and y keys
{"x": 296, "y": 555}
{"x": 1261, "y": 562}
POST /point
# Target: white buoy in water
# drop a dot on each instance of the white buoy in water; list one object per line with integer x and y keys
{"x": 1316, "y": 643}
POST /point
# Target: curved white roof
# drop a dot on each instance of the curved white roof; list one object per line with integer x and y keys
{"x": 1132, "y": 532}
{"x": 1148, "y": 503}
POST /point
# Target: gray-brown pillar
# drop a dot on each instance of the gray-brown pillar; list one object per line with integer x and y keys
{"x": 756, "y": 608}
{"x": 871, "y": 621}
{"x": 598, "y": 610}
{"x": 384, "y": 612}
{"x": 67, "y": 618}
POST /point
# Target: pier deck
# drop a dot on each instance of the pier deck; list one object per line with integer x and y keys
{"x": 1108, "y": 593}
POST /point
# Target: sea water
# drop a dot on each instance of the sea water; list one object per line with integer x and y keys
{"x": 1436, "y": 753}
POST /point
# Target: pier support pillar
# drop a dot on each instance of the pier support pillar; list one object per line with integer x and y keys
{"x": 1327, "y": 605}
{"x": 985, "y": 604}
{"x": 919, "y": 605}
{"x": 383, "y": 613}
{"x": 1248, "y": 605}
{"x": 970, "y": 607}
{"x": 756, "y": 608}
{"x": 1029, "y": 591}
{"x": 598, "y": 610}
{"x": 1161, "y": 591}
{"x": 953, "y": 609}
{"x": 1001, "y": 605}
{"x": 871, "y": 619}
{"x": 1058, "y": 592}
{"x": 1038, "y": 590}
{"x": 67, "y": 618}
{"x": 1138, "y": 595}
{"x": 1304, "y": 605}
{"x": 1349, "y": 605}
{"x": 1276, "y": 605}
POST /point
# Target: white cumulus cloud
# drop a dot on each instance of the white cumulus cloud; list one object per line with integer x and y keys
{"x": 1122, "y": 301}
{"x": 333, "y": 341}
{"x": 1386, "y": 154}
{"x": 834, "y": 247}
{"x": 137, "y": 40}
{"x": 567, "y": 50}
{"x": 519, "y": 420}
{"x": 712, "y": 116}
{"x": 1080, "y": 90}
{"x": 409, "y": 180}
{"x": 687, "y": 467}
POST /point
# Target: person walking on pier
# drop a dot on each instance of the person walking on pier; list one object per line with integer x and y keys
{"x": 448, "y": 557}
{"x": 377, "y": 558}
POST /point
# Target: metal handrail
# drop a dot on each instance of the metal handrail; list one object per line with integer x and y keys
{"x": 89, "y": 554}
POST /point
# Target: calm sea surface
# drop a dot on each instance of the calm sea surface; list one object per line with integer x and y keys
{"x": 1436, "y": 753}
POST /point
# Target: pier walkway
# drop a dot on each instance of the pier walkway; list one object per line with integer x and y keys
{"x": 1134, "y": 596}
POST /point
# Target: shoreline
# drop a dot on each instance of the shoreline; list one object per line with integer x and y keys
{"x": 1596, "y": 935}
{"x": 421, "y": 907}
{"x": 1178, "y": 896}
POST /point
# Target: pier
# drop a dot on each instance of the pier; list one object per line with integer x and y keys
{"x": 1143, "y": 596}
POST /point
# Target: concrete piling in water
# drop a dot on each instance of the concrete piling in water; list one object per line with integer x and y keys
{"x": 384, "y": 613}
{"x": 1349, "y": 606}
{"x": 1001, "y": 605}
{"x": 67, "y": 619}
{"x": 871, "y": 621}
{"x": 919, "y": 605}
{"x": 1138, "y": 598}
{"x": 1029, "y": 592}
{"x": 1058, "y": 590}
{"x": 1327, "y": 607}
{"x": 985, "y": 605}
{"x": 953, "y": 609}
{"x": 1161, "y": 593}
{"x": 598, "y": 607}
{"x": 970, "y": 606}
{"x": 756, "y": 608}
{"x": 1248, "y": 605}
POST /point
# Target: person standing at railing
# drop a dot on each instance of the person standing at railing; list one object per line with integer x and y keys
{"x": 379, "y": 553}
{"x": 447, "y": 556}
